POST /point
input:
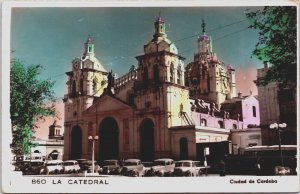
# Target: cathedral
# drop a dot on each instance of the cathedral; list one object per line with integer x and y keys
{"x": 161, "y": 108}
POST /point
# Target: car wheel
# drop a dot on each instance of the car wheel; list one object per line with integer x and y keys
{"x": 188, "y": 173}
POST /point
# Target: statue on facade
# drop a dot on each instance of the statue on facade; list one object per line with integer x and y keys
{"x": 110, "y": 84}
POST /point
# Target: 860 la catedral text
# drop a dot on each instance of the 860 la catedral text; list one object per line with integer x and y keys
{"x": 70, "y": 181}
{"x": 251, "y": 181}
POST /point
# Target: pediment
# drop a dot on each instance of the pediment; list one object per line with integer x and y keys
{"x": 107, "y": 103}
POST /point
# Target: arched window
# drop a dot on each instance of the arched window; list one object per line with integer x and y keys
{"x": 94, "y": 85}
{"x": 156, "y": 73}
{"x": 220, "y": 124}
{"x": 145, "y": 75}
{"x": 179, "y": 75}
{"x": 234, "y": 126}
{"x": 81, "y": 86}
{"x": 172, "y": 73}
{"x": 166, "y": 75}
{"x": 73, "y": 88}
{"x": 203, "y": 122}
{"x": 254, "y": 111}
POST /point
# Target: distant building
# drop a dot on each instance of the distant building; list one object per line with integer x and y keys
{"x": 52, "y": 148}
{"x": 151, "y": 111}
{"x": 243, "y": 108}
{"x": 277, "y": 106}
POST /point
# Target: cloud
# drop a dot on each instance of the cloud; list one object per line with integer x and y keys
{"x": 80, "y": 20}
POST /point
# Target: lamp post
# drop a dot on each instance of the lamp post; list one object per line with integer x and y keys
{"x": 279, "y": 127}
{"x": 93, "y": 139}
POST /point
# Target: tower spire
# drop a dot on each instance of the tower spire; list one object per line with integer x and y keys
{"x": 160, "y": 28}
{"x": 89, "y": 46}
{"x": 203, "y": 26}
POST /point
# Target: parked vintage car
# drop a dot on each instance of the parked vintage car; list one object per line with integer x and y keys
{"x": 111, "y": 167}
{"x": 186, "y": 168}
{"x": 87, "y": 166}
{"x": 147, "y": 166}
{"x": 34, "y": 168}
{"x": 161, "y": 167}
{"x": 133, "y": 167}
{"x": 200, "y": 168}
{"x": 282, "y": 170}
{"x": 53, "y": 167}
{"x": 21, "y": 165}
{"x": 80, "y": 162}
{"x": 71, "y": 166}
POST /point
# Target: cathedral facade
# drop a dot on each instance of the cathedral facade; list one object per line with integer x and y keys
{"x": 158, "y": 109}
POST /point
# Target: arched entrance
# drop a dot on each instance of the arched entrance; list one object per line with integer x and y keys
{"x": 183, "y": 148}
{"x": 108, "y": 139}
{"x": 76, "y": 142}
{"x": 54, "y": 155}
{"x": 147, "y": 140}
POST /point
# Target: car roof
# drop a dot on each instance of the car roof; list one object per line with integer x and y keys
{"x": 185, "y": 161}
{"x": 70, "y": 161}
{"x": 53, "y": 161}
{"x": 111, "y": 160}
{"x": 89, "y": 161}
{"x": 132, "y": 160}
{"x": 164, "y": 159}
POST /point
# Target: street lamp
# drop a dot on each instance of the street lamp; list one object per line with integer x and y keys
{"x": 279, "y": 127}
{"x": 93, "y": 139}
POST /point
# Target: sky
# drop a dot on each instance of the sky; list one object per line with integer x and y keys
{"x": 53, "y": 37}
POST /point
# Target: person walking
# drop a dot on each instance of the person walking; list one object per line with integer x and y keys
{"x": 222, "y": 168}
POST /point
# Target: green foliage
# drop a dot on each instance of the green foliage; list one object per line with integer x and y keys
{"x": 277, "y": 44}
{"x": 31, "y": 99}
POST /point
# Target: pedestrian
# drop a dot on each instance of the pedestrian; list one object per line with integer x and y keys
{"x": 222, "y": 168}
{"x": 258, "y": 168}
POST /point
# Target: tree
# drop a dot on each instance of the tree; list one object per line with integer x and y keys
{"x": 277, "y": 44}
{"x": 31, "y": 100}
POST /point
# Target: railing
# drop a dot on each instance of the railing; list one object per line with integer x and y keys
{"x": 119, "y": 82}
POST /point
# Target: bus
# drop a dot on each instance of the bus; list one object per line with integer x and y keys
{"x": 262, "y": 160}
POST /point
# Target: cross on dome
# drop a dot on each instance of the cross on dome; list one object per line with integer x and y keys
{"x": 203, "y": 26}
{"x": 89, "y": 40}
{"x": 159, "y": 18}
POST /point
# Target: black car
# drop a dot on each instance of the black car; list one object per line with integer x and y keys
{"x": 87, "y": 166}
{"x": 80, "y": 162}
{"x": 34, "y": 168}
{"x": 22, "y": 165}
{"x": 111, "y": 167}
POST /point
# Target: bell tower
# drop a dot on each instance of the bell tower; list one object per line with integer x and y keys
{"x": 87, "y": 80}
{"x": 160, "y": 62}
{"x": 159, "y": 91}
